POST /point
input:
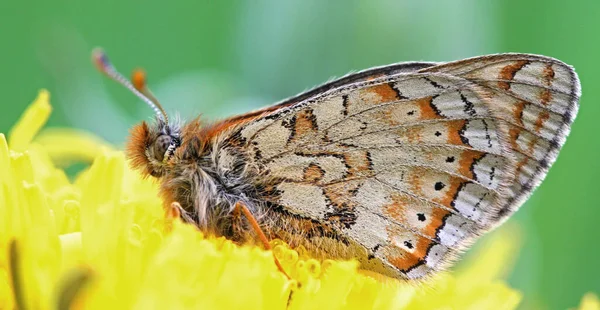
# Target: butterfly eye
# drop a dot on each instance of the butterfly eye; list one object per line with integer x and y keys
{"x": 161, "y": 145}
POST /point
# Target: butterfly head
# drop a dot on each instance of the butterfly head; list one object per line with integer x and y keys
{"x": 151, "y": 146}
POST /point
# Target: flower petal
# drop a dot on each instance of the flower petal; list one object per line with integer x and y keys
{"x": 66, "y": 146}
{"x": 30, "y": 122}
{"x": 589, "y": 302}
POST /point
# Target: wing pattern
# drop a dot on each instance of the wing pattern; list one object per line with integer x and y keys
{"x": 412, "y": 166}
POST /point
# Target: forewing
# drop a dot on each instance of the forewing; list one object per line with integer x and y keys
{"x": 412, "y": 166}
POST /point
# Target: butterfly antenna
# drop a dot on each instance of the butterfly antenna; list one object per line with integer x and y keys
{"x": 138, "y": 88}
{"x": 138, "y": 79}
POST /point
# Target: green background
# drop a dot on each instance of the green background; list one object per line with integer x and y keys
{"x": 222, "y": 57}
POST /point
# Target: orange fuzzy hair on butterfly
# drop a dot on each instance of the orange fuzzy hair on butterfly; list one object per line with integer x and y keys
{"x": 136, "y": 148}
{"x": 193, "y": 138}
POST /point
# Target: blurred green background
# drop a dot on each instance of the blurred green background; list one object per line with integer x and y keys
{"x": 223, "y": 57}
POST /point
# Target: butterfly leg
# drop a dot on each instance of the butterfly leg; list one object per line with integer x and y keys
{"x": 175, "y": 211}
{"x": 238, "y": 225}
{"x": 261, "y": 235}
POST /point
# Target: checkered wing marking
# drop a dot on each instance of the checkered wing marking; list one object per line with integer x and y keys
{"x": 414, "y": 166}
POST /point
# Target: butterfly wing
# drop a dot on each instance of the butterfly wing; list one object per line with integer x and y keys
{"x": 413, "y": 165}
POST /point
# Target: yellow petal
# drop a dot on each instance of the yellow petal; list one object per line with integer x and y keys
{"x": 72, "y": 253}
{"x": 589, "y": 302}
{"x": 65, "y": 145}
{"x": 5, "y": 176}
{"x": 34, "y": 117}
{"x": 6, "y": 293}
{"x": 4, "y": 158}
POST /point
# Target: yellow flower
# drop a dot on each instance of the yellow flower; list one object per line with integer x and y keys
{"x": 102, "y": 241}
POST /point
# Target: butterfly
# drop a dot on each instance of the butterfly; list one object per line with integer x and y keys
{"x": 400, "y": 167}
